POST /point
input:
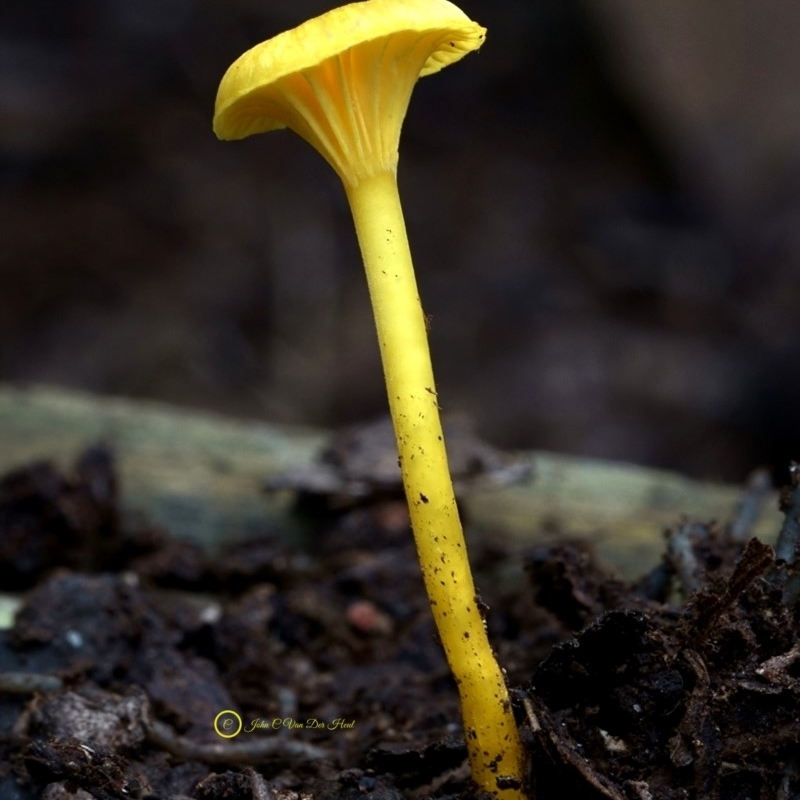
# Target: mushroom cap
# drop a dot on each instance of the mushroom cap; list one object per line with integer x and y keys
{"x": 343, "y": 80}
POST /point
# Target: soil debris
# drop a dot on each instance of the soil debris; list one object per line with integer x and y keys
{"x": 144, "y": 667}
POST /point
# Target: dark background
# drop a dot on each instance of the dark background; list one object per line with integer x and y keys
{"x": 601, "y": 212}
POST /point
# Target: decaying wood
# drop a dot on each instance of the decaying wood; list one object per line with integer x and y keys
{"x": 201, "y": 476}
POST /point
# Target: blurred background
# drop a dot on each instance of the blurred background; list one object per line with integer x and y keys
{"x": 602, "y": 206}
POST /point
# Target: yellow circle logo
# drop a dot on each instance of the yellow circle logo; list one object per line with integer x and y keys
{"x": 227, "y": 724}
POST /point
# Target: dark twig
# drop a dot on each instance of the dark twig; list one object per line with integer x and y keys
{"x": 755, "y": 561}
{"x": 757, "y": 491}
{"x": 681, "y": 554}
{"x": 787, "y": 548}
{"x": 776, "y": 669}
{"x": 28, "y": 682}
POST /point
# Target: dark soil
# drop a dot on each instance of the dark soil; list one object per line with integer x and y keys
{"x": 130, "y": 644}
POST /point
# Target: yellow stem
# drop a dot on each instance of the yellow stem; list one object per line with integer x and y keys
{"x": 492, "y": 737}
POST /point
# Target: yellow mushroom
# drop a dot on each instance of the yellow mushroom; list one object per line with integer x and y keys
{"x": 342, "y": 81}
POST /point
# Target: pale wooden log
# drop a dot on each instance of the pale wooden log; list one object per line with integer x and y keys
{"x": 200, "y": 475}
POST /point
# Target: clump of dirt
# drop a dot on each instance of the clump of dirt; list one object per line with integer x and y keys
{"x": 141, "y": 666}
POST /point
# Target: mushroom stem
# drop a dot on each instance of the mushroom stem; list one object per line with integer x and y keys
{"x": 343, "y": 81}
{"x": 491, "y": 733}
